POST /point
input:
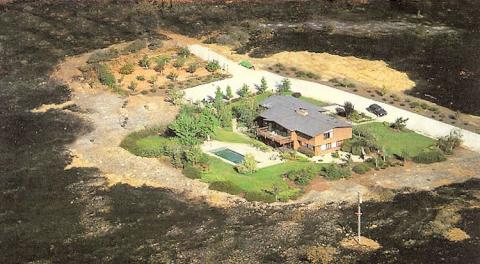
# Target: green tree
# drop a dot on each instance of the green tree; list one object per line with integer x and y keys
{"x": 144, "y": 62}
{"x": 349, "y": 108}
{"x": 213, "y": 66}
{"x": 127, "y": 69}
{"x": 224, "y": 115}
{"x": 244, "y": 91}
{"x": 246, "y": 111}
{"x": 263, "y": 86}
{"x": 218, "y": 101}
{"x": 193, "y": 129}
{"x": 195, "y": 156}
{"x": 285, "y": 86}
{"x": 248, "y": 166}
{"x": 229, "y": 93}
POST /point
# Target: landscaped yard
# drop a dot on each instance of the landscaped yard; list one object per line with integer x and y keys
{"x": 225, "y": 135}
{"x": 257, "y": 182}
{"x": 396, "y": 142}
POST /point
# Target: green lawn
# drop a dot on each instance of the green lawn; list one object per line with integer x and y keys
{"x": 395, "y": 142}
{"x": 152, "y": 142}
{"x": 313, "y": 101}
{"x": 222, "y": 134}
{"x": 263, "y": 179}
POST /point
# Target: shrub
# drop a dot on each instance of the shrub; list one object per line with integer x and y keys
{"x": 430, "y": 156}
{"x": 448, "y": 143}
{"x": 349, "y": 108}
{"x": 263, "y": 86}
{"x": 100, "y": 56}
{"x": 260, "y": 197}
{"x": 336, "y": 155}
{"x": 173, "y": 76}
{"x": 179, "y": 62}
{"x": 297, "y": 95}
{"x": 192, "y": 172}
{"x": 132, "y": 86}
{"x": 192, "y": 68}
{"x": 248, "y": 166}
{"x": 224, "y": 186}
{"x": 244, "y": 91}
{"x": 144, "y": 62}
{"x": 184, "y": 52}
{"x": 302, "y": 176}
{"x": 135, "y": 46}
{"x": 399, "y": 124}
{"x": 361, "y": 168}
{"x": 127, "y": 69}
{"x": 155, "y": 44}
{"x": 104, "y": 75}
{"x": 260, "y": 145}
{"x": 285, "y": 86}
{"x": 141, "y": 78}
{"x": 213, "y": 66}
{"x": 335, "y": 171}
{"x": 306, "y": 151}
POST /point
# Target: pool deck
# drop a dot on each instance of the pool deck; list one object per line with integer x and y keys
{"x": 264, "y": 159}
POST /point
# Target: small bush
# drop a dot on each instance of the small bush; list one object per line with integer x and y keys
{"x": 213, "y": 66}
{"x": 127, "y": 69}
{"x": 135, "y": 46}
{"x": 104, "y": 75}
{"x": 306, "y": 151}
{"x": 260, "y": 197}
{"x": 430, "y": 156}
{"x": 334, "y": 172}
{"x": 224, "y": 186}
{"x": 361, "y": 168}
{"x": 155, "y": 44}
{"x": 184, "y": 52}
{"x": 192, "y": 172}
{"x": 297, "y": 95}
{"x": 302, "y": 176}
{"x": 100, "y": 56}
{"x": 141, "y": 78}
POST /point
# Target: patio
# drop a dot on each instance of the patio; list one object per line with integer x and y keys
{"x": 264, "y": 159}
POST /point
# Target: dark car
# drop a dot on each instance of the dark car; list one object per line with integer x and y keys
{"x": 376, "y": 110}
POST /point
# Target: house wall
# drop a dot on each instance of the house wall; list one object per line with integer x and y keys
{"x": 338, "y": 134}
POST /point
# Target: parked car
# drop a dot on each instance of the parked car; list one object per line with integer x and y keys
{"x": 377, "y": 110}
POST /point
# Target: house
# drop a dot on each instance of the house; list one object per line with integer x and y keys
{"x": 287, "y": 121}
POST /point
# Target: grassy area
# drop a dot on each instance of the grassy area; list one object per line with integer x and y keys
{"x": 222, "y": 134}
{"x": 263, "y": 179}
{"x": 313, "y": 101}
{"x": 395, "y": 142}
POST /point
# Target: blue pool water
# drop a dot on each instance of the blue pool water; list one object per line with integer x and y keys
{"x": 229, "y": 154}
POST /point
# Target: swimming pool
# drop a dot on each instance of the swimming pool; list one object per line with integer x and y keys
{"x": 229, "y": 155}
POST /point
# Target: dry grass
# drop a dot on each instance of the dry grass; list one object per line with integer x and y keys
{"x": 319, "y": 254}
{"x": 366, "y": 244}
{"x": 372, "y": 73}
{"x": 456, "y": 234}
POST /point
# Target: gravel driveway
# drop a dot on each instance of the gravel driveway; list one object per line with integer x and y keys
{"x": 418, "y": 123}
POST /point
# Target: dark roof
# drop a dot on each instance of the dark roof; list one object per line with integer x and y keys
{"x": 287, "y": 112}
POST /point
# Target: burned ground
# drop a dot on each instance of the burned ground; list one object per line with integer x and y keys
{"x": 70, "y": 216}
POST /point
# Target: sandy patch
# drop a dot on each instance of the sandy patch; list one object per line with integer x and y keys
{"x": 456, "y": 234}
{"x": 375, "y": 73}
{"x": 366, "y": 244}
{"x": 45, "y": 107}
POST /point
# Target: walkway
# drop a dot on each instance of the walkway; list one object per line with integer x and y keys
{"x": 241, "y": 75}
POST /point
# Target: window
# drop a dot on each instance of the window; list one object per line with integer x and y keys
{"x": 328, "y": 146}
{"x": 327, "y": 135}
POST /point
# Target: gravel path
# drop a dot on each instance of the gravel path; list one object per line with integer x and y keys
{"x": 241, "y": 75}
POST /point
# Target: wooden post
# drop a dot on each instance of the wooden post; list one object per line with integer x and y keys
{"x": 359, "y": 217}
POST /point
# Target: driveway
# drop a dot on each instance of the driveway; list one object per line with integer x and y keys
{"x": 418, "y": 123}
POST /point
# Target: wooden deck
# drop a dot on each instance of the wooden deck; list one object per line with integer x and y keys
{"x": 264, "y": 132}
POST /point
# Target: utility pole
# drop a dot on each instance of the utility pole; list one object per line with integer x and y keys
{"x": 359, "y": 217}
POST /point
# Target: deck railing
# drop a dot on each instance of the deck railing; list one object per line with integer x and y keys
{"x": 264, "y": 132}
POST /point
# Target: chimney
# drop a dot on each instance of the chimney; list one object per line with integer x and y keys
{"x": 302, "y": 111}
